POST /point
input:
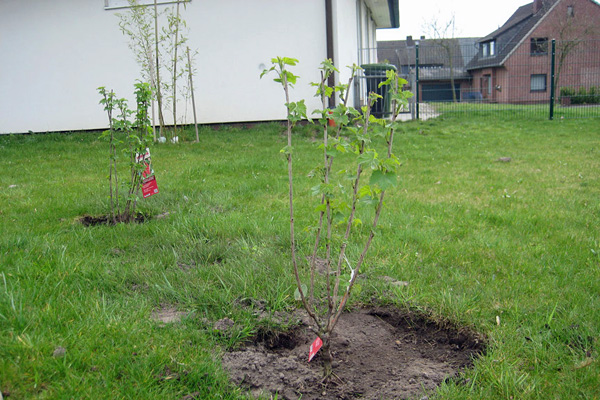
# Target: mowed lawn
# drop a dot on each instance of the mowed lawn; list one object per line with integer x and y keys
{"x": 508, "y": 248}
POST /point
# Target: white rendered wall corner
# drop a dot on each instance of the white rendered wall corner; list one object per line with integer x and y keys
{"x": 55, "y": 55}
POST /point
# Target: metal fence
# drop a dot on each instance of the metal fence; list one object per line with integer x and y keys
{"x": 537, "y": 77}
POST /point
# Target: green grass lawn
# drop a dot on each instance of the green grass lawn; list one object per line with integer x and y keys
{"x": 479, "y": 240}
{"x": 520, "y": 111}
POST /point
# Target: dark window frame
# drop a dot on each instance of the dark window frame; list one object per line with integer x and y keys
{"x": 531, "y": 80}
{"x": 488, "y": 49}
{"x": 539, "y": 46}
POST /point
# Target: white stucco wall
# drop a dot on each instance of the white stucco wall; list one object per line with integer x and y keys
{"x": 240, "y": 38}
{"x": 345, "y": 38}
{"x": 354, "y": 41}
{"x": 56, "y": 53}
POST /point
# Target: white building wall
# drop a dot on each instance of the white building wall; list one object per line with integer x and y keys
{"x": 56, "y": 53}
{"x": 345, "y": 38}
{"x": 354, "y": 42}
{"x": 365, "y": 51}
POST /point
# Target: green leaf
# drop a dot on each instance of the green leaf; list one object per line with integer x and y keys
{"x": 297, "y": 111}
{"x": 339, "y": 218}
{"x": 321, "y": 208}
{"x": 341, "y": 206}
{"x": 368, "y": 159}
{"x": 323, "y": 188}
{"x": 266, "y": 71}
{"x": 316, "y": 172}
{"x": 328, "y": 67}
{"x": 368, "y": 196}
{"x": 384, "y": 180}
{"x": 340, "y": 115}
{"x": 287, "y": 150}
{"x": 291, "y": 78}
{"x": 316, "y": 190}
{"x": 390, "y": 164}
{"x": 364, "y": 191}
{"x": 373, "y": 97}
{"x": 290, "y": 61}
{"x": 297, "y": 295}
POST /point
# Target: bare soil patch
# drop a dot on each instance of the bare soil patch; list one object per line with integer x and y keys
{"x": 167, "y": 315}
{"x": 379, "y": 353}
{"x": 90, "y": 220}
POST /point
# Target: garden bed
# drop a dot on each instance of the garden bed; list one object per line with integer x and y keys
{"x": 379, "y": 353}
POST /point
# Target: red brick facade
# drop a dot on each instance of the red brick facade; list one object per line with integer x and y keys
{"x": 525, "y": 73}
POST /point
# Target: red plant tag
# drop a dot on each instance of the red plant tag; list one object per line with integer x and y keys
{"x": 149, "y": 187}
{"x": 314, "y": 348}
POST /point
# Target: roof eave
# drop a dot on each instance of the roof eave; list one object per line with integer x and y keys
{"x": 385, "y": 13}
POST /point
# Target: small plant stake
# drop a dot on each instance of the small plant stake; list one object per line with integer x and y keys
{"x": 192, "y": 93}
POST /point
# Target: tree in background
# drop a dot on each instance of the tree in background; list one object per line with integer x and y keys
{"x": 442, "y": 35}
{"x": 157, "y": 50}
{"x": 570, "y": 31}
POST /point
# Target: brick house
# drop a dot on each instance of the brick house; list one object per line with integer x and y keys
{"x": 513, "y": 64}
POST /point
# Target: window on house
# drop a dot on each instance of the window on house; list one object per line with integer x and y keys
{"x": 570, "y": 11}
{"x": 538, "y": 82}
{"x": 110, "y": 4}
{"x": 539, "y": 46}
{"x": 488, "y": 49}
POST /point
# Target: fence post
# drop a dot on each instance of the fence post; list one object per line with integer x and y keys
{"x": 552, "y": 72}
{"x": 417, "y": 77}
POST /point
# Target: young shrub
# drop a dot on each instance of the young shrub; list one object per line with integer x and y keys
{"x": 110, "y": 103}
{"x": 136, "y": 137}
{"x": 366, "y": 181}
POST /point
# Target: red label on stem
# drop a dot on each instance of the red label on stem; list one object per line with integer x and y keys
{"x": 314, "y": 348}
{"x": 149, "y": 187}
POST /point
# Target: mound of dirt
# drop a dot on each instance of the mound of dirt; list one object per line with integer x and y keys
{"x": 379, "y": 353}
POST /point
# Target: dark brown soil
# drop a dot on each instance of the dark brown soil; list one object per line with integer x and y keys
{"x": 89, "y": 220}
{"x": 379, "y": 353}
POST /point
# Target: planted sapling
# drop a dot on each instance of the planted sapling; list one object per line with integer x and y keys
{"x": 136, "y": 137}
{"x": 158, "y": 51}
{"x": 358, "y": 135}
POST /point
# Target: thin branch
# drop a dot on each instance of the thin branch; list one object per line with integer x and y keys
{"x": 328, "y": 168}
{"x": 332, "y": 322}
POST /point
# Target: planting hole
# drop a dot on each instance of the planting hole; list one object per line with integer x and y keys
{"x": 378, "y": 353}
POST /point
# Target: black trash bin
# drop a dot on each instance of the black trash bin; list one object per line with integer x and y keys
{"x": 375, "y": 74}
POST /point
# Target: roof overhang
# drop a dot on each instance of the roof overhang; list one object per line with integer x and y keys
{"x": 386, "y": 13}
